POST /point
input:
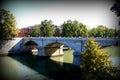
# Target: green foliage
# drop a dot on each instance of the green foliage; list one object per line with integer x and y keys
{"x": 83, "y": 30}
{"x": 66, "y": 29}
{"x": 118, "y": 33}
{"x": 74, "y": 29}
{"x": 96, "y": 65}
{"x": 35, "y": 32}
{"x": 102, "y": 31}
{"x": 47, "y": 28}
{"x": 58, "y": 32}
{"x": 7, "y": 25}
{"x": 93, "y": 32}
{"x": 110, "y": 32}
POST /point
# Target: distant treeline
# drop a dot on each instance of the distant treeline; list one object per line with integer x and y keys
{"x": 72, "y": 29}
{"x": 46, "y": 28}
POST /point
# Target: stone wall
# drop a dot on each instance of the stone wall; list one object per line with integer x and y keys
{"x": 8, "y": 46}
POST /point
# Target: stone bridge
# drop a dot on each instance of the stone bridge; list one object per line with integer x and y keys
{"x": 77, "y": 44}
{"x": 52, "y": 44}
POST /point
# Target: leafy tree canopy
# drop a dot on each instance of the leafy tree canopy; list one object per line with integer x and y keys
{"x": 7, "y": 25}
{"x": 47, "y": 28}
{"x": 35, "y": 32}
{"x": 102, "y": 31}
{"x": 74, "y": 29}
{"x": 116, "y": 7}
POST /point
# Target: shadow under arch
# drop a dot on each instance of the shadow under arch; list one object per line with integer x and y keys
{"x": 55, "y": 49}
{"x": 76, "y": 59}
{"x": 30, "y": 46}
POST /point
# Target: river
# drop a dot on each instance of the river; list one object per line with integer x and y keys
{"x": 29, "y": 67}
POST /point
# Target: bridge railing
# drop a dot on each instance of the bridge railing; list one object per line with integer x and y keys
{"x": 102, "y": 41}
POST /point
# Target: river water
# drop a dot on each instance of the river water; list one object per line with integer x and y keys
{"x": 29, "y": 67}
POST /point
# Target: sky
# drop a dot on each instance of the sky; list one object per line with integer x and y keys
{"x": 90, "y": 12}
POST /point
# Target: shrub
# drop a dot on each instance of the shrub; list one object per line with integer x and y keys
{"x": 96, "y": 64}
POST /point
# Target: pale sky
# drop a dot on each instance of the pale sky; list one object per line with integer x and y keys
{"x": 89, "y": 12}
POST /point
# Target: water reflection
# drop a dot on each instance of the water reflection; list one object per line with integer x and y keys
{"x": 115, "y": 61}
{"x": 77, "y": 60}
{"x": 34, "y": 51}
{"x": 31, "y": 67}
{"x": 20, "y": 67}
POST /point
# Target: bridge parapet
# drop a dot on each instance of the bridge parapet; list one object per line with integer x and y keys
{"x": 76, "y": 43}
{"x": 106, "y": 41}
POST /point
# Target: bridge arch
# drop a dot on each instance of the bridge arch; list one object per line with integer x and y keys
{"x": 76, "y": 59}
{"x": 75, "y": 46}
{"x": 30, "y": 42}
{"x": 53, "y": 49}
{"x": 58, "y": 42}
{"x": 31, "y": 46}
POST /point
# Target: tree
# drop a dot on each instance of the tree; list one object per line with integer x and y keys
{"x": 47, "y": 28}
{"x": 118, "y": 33}
{"x": 74, "y": 29}
{"x": 116, "y": 7}
{"x": 66, "y": 29}
{"x": 93, "y": 32}
{"x": 58, "y": 32}
{"x": 83, "y": 30}
{"x": 35, "y": 32}
{"x": 96, "y": 65}
{"x": 7, "y": 25}
{"x": 111, "y": 32}
{"x": 102, "y": 31}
